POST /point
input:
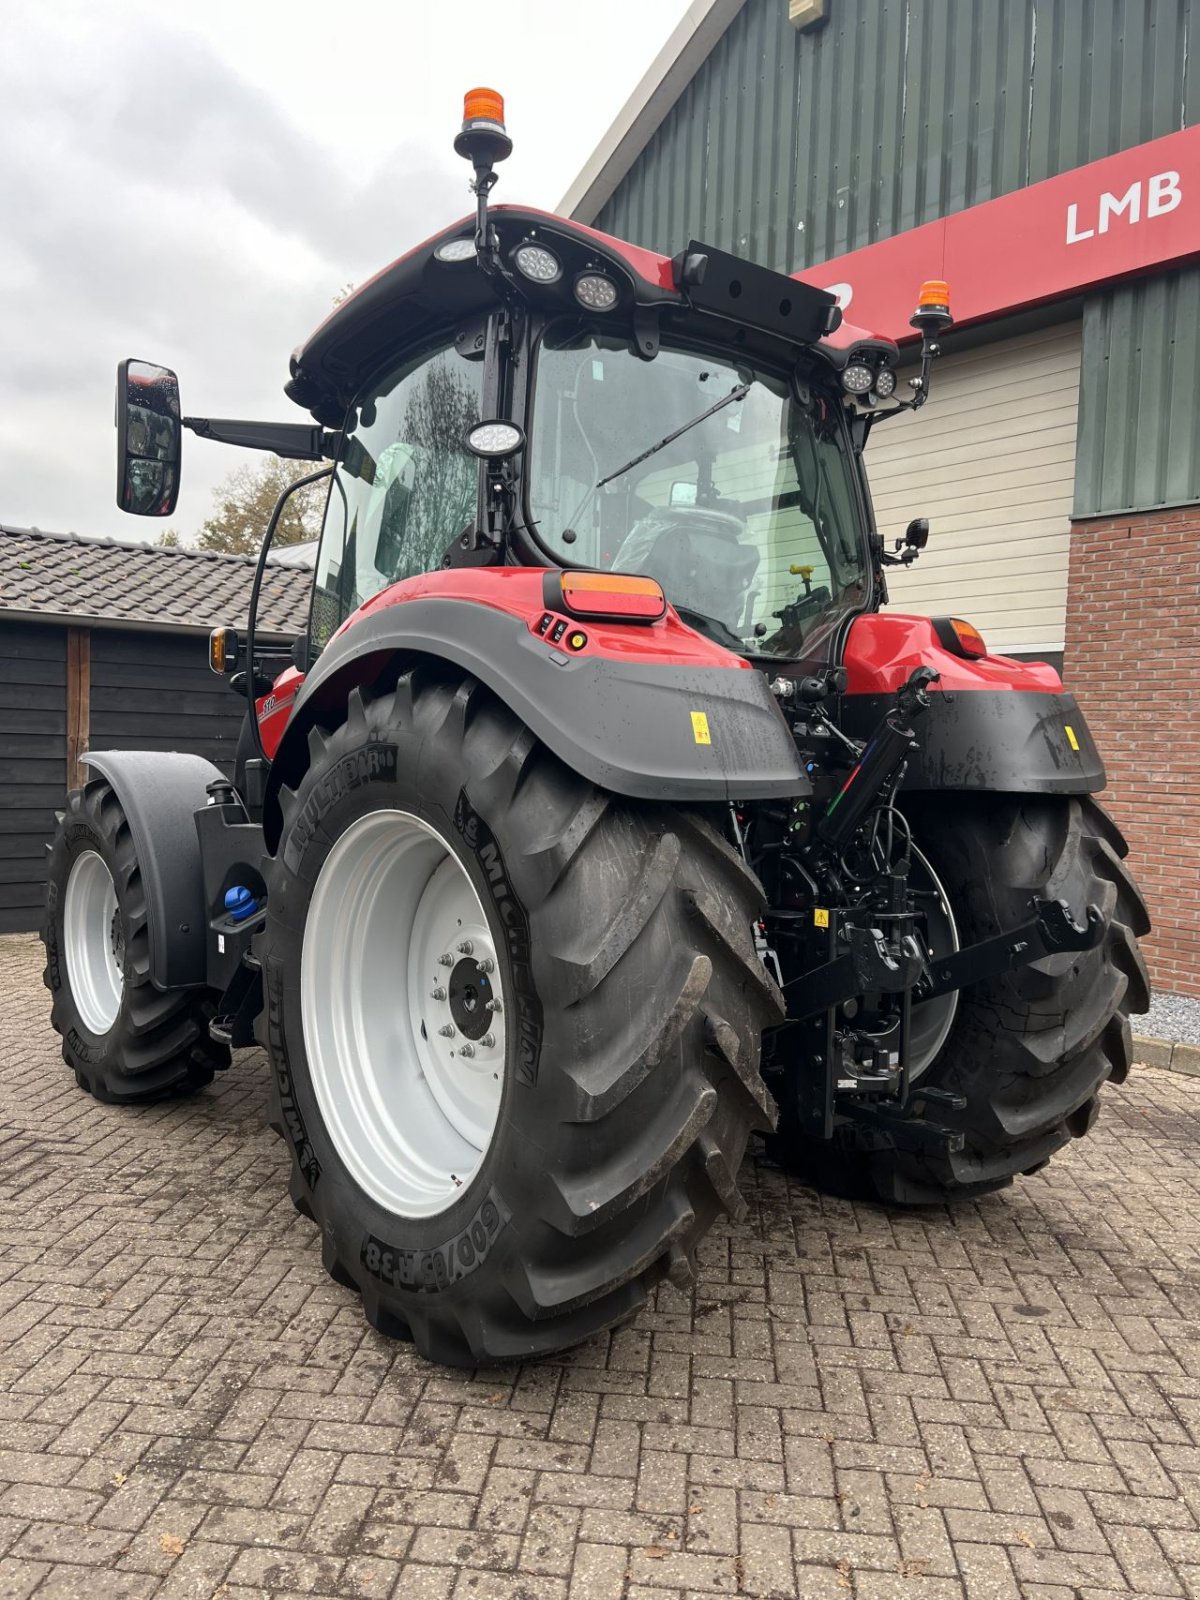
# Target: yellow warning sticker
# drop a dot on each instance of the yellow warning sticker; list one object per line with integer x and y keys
{"x": 820, "y": 917}
{"x": 700, "y": 728}
{"x": 1071, "y": 739}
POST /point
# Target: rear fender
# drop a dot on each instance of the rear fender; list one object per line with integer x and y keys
{"x": 160, "y": 794}
{"x": 655, "y": 713}
{"x": 993, "y": 724}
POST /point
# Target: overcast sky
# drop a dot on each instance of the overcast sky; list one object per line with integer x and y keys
{"x": 193, "y": 185}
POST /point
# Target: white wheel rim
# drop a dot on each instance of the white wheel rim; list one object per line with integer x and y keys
{"x": 397, "y": 949}
{"x": 932, "y": 1020}
{"x": 95, "y": 943}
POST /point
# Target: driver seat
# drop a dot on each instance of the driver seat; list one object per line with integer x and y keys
{"x": 698, "y": 557}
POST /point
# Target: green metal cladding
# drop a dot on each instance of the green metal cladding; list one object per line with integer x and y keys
{"x": 791, "y": 147}
{"x": 1139, "y": 397}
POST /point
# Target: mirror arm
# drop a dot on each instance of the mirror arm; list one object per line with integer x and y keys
{"x": 293, "y": 440}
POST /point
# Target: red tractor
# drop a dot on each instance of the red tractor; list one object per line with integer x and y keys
{"x": 603, "y": 817}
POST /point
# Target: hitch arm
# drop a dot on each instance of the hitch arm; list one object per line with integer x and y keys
{"x": 1051, "y": 929}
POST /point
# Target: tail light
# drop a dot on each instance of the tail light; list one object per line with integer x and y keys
{"x": 605, "y": 596}
{"x": 963, "y": 638}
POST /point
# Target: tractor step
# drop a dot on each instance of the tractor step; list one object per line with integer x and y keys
{"x": 233, "y": 1024}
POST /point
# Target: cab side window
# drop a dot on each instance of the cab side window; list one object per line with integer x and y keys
{"x": 404, "y": 487}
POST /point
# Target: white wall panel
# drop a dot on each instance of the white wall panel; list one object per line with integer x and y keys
{"x": 990, "y": 460}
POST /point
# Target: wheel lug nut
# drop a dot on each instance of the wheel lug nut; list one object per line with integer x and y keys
{"x": 487, "y": 965}
{"x": 465, "y": 948}
{"x": 437, "y": 994}
{"x": 466, "y": 1049}
{"x": 493, "y": 1005}
{"x": 488, "y": 1040}
{"x": 446, "y": 960}
{"x": 447, "y": 1032}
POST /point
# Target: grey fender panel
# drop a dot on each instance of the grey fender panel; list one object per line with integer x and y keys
{"x": 161, "y": 792}
{"x": 1009, "y": 741}
{"x": 626, "y": 726}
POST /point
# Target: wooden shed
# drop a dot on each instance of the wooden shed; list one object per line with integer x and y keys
{"x": 103, "y": 646}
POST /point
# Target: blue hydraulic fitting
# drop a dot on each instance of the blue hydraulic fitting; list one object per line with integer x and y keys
{"x": 240, "y": 903}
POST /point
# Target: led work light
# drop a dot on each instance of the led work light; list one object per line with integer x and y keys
{"x": 537, "y": 263}
{"x": 857, "y": 377}
{"x": 494, "y": 440}
{"x": 595, "y": 291}
{"x": 452, "y": 250}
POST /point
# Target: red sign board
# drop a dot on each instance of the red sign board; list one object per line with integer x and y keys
{"x": 1133, "y": 212}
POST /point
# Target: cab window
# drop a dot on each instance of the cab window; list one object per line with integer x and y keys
{"x": 726, "y": 483}
{"x": 404, "y": 488}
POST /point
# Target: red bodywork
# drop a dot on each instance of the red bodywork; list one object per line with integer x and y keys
{"x": 518, "y": 592}
{"x": 881, "y": 651}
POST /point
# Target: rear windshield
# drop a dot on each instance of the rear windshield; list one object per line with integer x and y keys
{"x": 748, "y": 517}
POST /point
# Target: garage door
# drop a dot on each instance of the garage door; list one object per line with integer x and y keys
{"x": 990, "y": 460}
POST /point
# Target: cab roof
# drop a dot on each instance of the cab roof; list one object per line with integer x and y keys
{"x": 419, "y": 296}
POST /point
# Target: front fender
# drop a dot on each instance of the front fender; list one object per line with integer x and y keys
{"x": 628, "y": 720}
{"x": 160, "y": 793}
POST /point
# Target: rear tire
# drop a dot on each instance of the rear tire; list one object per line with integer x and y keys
{"x": 1031, "y": 1049}
{"x": 124, "y": 1040}
{"x": 633, "y": 1000}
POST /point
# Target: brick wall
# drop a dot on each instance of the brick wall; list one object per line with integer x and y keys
{"x": 1133, "y": 659}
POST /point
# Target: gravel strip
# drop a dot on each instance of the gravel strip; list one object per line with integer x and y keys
{"x": 1175, "y": 1017}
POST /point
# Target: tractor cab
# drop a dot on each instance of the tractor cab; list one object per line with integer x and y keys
{"x": 527, "y": 391}
{"x": 521, "y": 390}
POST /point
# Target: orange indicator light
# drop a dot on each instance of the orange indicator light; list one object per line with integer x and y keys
{"x": 620, "y": 595}
{"x": 483, "y": 105}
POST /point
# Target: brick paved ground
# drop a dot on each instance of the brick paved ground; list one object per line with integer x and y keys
{"x": 854, "y": 1404}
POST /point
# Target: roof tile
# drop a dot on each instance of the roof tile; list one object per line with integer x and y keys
{"x": 67, "y": 576}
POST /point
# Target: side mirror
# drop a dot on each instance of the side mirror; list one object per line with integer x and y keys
{"x": 223, "y": 650}
{"x": 149, "y": 431}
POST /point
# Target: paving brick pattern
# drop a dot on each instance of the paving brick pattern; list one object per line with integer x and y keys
{"x": 855, "y": 1404}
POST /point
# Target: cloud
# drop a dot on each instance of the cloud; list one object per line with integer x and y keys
{"x": 194, "y": 184}
{"x": 157, "y": 203}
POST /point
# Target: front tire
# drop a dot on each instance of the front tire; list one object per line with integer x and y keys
{"x": 124, "y": 1040}
{"x": 1030, "y": 1050}
{"x": 627, "y": 1073}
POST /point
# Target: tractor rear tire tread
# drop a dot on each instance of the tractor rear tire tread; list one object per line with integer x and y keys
{"x": 1031, "y": 1049}
{"x": 159, "y": 1046}
{"x": 648, "y": 1086}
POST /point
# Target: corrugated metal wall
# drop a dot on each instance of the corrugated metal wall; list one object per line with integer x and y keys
{"x": 1139, "y": 433}
{"x": 793, "y": 147}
